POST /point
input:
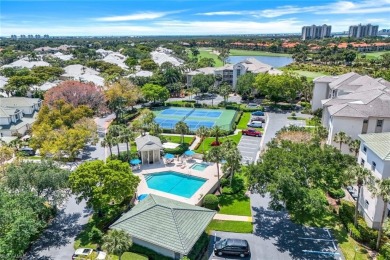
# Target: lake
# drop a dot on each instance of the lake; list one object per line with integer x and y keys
{"x": 274, "y": 61}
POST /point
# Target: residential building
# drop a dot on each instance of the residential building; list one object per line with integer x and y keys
{"x": 316, "y": 32}
{"x": 166, "y": 226}
{"x": 17, "y": 114}
{"x": 231, "y": 72}
{"x": 22, "y": 36}
{"x": 14, "y": 37}
{"x": 360, "y": 31}
{"x": 374, "y": 155}
{"x": 353, "y": 104}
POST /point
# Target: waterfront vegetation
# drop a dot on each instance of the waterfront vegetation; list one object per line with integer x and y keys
{"x": 240, "y": 52}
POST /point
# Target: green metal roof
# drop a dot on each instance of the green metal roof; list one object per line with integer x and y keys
{"x": 379, "y": 143}
{"x": 166, "y": 223}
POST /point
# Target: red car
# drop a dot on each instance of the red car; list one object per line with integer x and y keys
{"x": 251, "y": 132}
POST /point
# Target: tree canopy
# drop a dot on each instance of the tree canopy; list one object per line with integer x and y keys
{"x": 152, "y": 92}
{"x": 203, "y": 82}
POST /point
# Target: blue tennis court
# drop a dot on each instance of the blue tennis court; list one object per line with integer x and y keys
{"x": 166, "y": 123}
{"x": 202, "y": 113}
{"x": 194, "y": 125}
{"x": 176, "y": 112}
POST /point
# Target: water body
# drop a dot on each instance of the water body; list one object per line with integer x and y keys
{"x": 274, "y": 61}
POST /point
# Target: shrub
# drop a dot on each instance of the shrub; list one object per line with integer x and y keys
{"x": 355, "y": 234}
{"x": 336, "y": 193}
{"x": 346, "y": 212}
{"x": 385, "y": 251}
{"x": 227, "y": 190}
{"x": 148, "y": 252}
{"x": 211, "y": 201}
{"x": 368, "y": 234}
{"x": 238, "y": 184}
{"x": 224, "y": 182}
{"x": 95, "y": 235}
{"x": 293, "y": 114}
{"x": 200, "y": 247}
{"x": 215, "y": 143}
{"x": 178, "y": 150}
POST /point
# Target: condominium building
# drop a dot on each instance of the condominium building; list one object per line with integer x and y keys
{"x": 374, "y": 155}
{"x": 360, "y": 31}
{"x": 316, "y": 32}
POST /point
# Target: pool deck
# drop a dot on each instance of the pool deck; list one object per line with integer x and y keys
{"x": 210, "y": 173}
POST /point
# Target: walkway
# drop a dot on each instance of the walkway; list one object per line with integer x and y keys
{"x": 232, "y": 218}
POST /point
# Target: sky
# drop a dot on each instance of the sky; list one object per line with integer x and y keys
{"x": 184, "y": 17}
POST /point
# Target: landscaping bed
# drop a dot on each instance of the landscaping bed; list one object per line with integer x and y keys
{"x": 177, "y": 139}
{"x": 207, "y": 142}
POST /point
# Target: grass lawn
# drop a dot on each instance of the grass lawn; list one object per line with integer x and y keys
{"x": 207, "y": 141}
{"x": 374, "y": 55}
{"x": 206, "y": 53}
{"x": 237, "y": 204}
{"x": 177, "y": 138}
{"x": 244, "y": 120}
{"x": 133, "y": 256}
{"x": 230, "y": 226}
{"x": 236, "y": 52}
{"x": 309, "y": 74}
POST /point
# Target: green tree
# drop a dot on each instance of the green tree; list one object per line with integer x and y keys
{"x": 215, "y": 155}
{"x": 224, "y": 90}
{"x": 355, "y": 174}
{"x": 131, "y": 63}
{"x": 117, "y": 242}
{"x": 182, "y": 128}
{"x": 103, "y": 184}
{"x": 232, "y": 157}
{"x": 217, "y": 132}
{"x": 203, "y": 82}
{"x": 206, "y": 62}
{"x": 354, "y": 147}
{"x": 203, "y": 132}
{"x": 245, "y": 84}
{"x": 195, "y": 52}
{"x": 148, "y": 64}
{"x": 381, "y": 189}
{"x": 155, "y": 93}
{"x": 108, "y": 141}
{"x": 341, "y": 138}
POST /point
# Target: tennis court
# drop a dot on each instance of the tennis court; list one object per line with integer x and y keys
{"x": 195, "y": 118}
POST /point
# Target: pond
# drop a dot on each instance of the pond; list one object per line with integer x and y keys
{"x": 274, "y": 61}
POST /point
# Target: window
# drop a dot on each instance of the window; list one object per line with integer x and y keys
{"x": 365, "y": 121}
{"x": 373, "y": 166}
{"x": 364, "y": 149}
{"x": 379, "y": 123}
{"x": 362, "y": 162}
{"x": 366, "y": 204}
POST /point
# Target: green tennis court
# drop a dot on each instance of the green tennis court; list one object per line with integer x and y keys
{"x": 195, "y": 117}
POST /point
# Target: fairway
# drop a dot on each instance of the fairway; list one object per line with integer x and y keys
{"x": 195, "y": 117}
{"x": 374, "y": 55}
{"x": 236, "y": 52}
{"x": 309, "y": 74}
{"x": 207, "y": 53}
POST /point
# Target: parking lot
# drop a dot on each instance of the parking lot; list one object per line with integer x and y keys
{"x": 248, "y": 147}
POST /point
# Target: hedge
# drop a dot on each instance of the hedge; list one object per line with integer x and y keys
{"x": 210, "y": 201}
{"x": 200, "y": 247}
{"x": 336, "y": 193}
{"x": 385, "y": 251}
{"x": 354, "y": 232}
{"x": 152, "y": 255}
{"x": 133, "y": 256}
{"x": 178, "y": 150}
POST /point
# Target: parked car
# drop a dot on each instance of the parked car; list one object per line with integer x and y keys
{"x": 257, "y": 118}
{"x": 101, "y": 256}
{"x": 238, "y": 247}
{"x": 82, "y": 253}
{"x": 258, "y": 113}
{"x": 27, "y": 150}
{"x": 251, "y": 132}
{"x": 252, "y": 105}
{"x": 255, "y": 124}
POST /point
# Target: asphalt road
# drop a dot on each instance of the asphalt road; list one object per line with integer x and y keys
{"x": 249, "y": 147}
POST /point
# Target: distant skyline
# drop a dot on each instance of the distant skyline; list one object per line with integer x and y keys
{"x": 184, "y": 17}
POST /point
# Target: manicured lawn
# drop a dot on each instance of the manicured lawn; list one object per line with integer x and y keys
{"x": 374, "y": 55}
{"x": 237, "y": 204}
{"x": 309, "y": 74}
{"x": 177, "y": 139}
{"x": 244, "y": 120}
{"x": 206, "y": 53}
{"x": 230, "y": 226}
{"x": 236, "y": 52}
{"x": 207, "y": 141}
{"x": 133, "y": 256}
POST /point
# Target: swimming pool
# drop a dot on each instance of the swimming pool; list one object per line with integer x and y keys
{"x": 174, "y": 183}
{"x": 199, "y": 166}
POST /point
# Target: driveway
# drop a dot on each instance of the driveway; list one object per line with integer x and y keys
{"x": 248, "y": 147}
{"x": 57, "y": 240}
{"x": 275, "y": 236}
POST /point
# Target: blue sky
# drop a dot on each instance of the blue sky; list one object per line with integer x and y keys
{"x": 184, "y": 17}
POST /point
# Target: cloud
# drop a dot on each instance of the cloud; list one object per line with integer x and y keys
{"x": 135, "y": 17}
{"x": 224, "y": 13}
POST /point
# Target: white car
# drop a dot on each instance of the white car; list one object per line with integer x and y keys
{"x": 82, "y": 253}
{"x": 255, "y": 124}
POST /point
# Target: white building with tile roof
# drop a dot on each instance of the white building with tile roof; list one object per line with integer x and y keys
{"x": 374, "y": 155}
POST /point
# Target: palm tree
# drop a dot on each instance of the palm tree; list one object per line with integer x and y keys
{"x": 224, "y": 91}
{"x": 341, "y": 138}
{"x": 126, "y": 137}
{"x": 215, "y": 155}
{"x": 115, "y": 131}
{"x": 354, "y": 147}
{"x": 360, "y": 176}
{"x": 203, "y": 132}
{"x": 232, "y": 156}
{"x": 117, "y": 242}
{"x": 155, "y": 129}
{"x": 217, "y": 131}
{"x": 181, "y": 128}
{"x": 108, "y": 141}
{"x": 381, "y": 188}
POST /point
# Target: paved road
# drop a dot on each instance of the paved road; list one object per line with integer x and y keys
{"x": 275, "y": 236}
{"x": 248, "y": 147}
{"x": 57, "y": 240}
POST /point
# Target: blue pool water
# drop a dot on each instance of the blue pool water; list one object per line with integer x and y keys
{"x": 199, "y": 166}
{"x": 174, "y": 183}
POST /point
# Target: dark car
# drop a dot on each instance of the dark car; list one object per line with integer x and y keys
{"x": 258, "y": 113}
{"x": 238, "y": 247}
{"x": 28, "y": 151}
{"x": 257, "y": 118}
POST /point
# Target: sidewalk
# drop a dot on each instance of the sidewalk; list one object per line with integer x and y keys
{"x": 195, "y": 143}
{"x": 232, "y": 218}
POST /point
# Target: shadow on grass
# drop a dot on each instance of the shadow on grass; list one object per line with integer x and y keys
{"x": 226, "y": 199}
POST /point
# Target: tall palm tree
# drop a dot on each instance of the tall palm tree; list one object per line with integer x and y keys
{"x": 354, "y": 147}
{"x": 115, "y": 131}
{"x": 155, "y": 129}
{"x": 341, "y": 138}
{"x": 217, "y": 131}
{"x": 215, "y": 155}
{"x": 381, "y": 188}
{"x": 224, "y": 91}
{"x": 127, "y": 135}
{"x": 182, "y": 128}
{"x": 108, "y": 141}
{"x": 358, "y": 175}
{"x": 232, "y": 156}
{"x": 203, "y": 132}
{"x": 117, "y": 242}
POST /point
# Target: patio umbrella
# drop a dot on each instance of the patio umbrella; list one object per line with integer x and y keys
{"x": 135, "y": 161}
{"x": 142, "y": 196}
{"x": 189, "y": 152}
{"x": 169, "y": 156}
